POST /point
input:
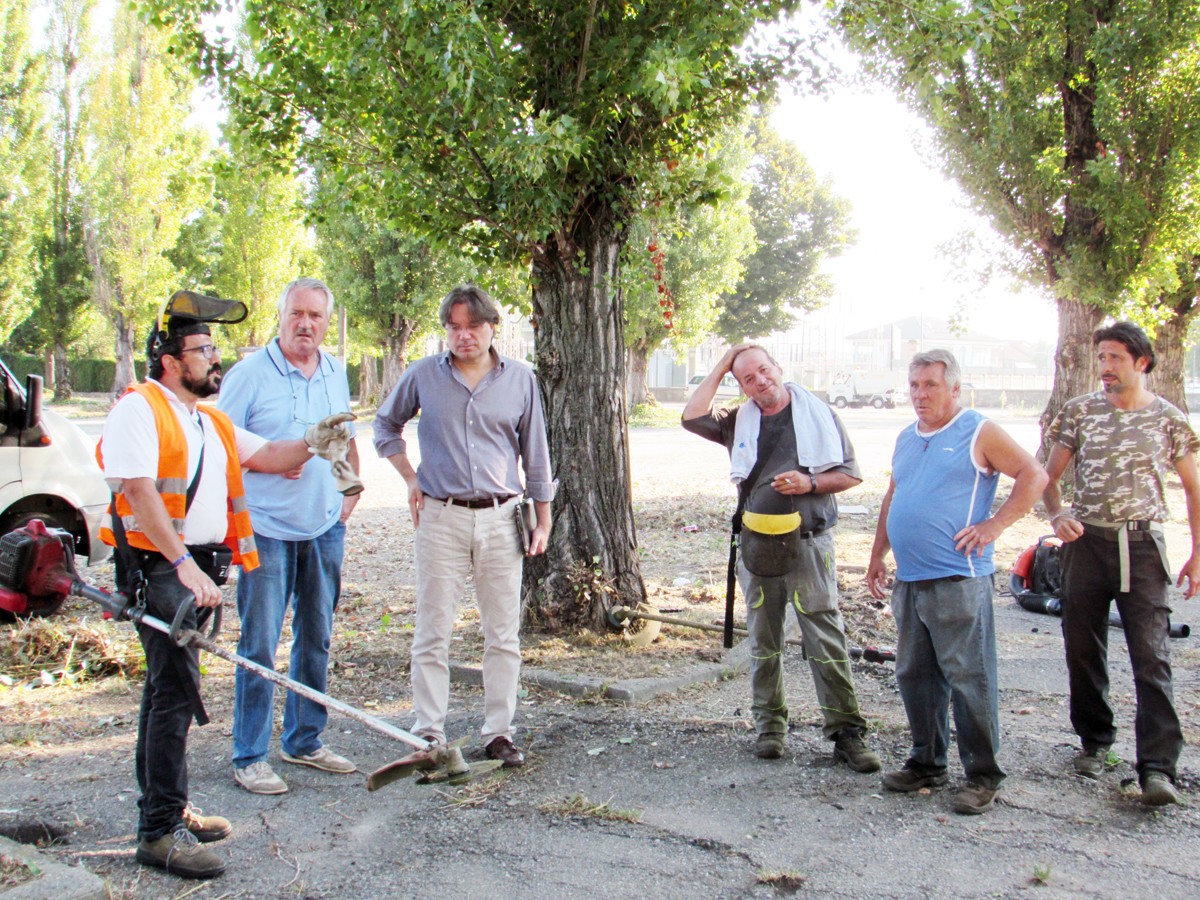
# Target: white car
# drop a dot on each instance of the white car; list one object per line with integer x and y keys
{"x": 728, "y": 389}
{"x": 48, "y": 470}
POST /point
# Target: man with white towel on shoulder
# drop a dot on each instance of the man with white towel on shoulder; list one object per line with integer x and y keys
{"x": 789, "y": 455}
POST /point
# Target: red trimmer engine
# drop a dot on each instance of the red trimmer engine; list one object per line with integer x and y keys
{"x": 37, "y": 568}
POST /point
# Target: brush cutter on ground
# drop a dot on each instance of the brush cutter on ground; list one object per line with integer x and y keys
{"x": 37, "y": 569}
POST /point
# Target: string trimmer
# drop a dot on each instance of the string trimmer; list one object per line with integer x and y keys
{"x": 37, "y": 571}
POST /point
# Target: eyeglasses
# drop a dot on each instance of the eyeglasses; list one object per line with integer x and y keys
{"x": 298, "y": 402}
{"x": 208, "y": 351}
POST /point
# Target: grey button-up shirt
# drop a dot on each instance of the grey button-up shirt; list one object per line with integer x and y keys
{"x": 470, "y": 440}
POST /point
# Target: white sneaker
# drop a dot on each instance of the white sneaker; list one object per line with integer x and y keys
{"x": 260, "y": 778}
{"x": 324, "y": 759}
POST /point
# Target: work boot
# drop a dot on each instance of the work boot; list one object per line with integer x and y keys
{"x": 1158, "y": 790}
{"x": 206, "y": 828}
{"x": 910, "y": 779}
{"x": 769, "y": 745}
{"x": 260, "y": 778}
{"x": 322, "y": 758}
{"x": 180, "y": 854}
{"x": 974, "y": 798}
{"x": 851, "y": 749}
{"x": 1090, "y": 763}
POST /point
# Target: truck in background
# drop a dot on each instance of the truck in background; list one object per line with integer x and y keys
{"x": 855, "y": 390}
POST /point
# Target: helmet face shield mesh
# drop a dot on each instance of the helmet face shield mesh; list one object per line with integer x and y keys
{"x": 190, "y": 305}
{"x": 190, "y": 313}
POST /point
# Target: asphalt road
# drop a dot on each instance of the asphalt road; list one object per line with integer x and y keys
{"x": 675, "y": 451}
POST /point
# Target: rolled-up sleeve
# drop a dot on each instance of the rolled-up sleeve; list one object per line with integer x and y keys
{"x": 400, "y": 406}
{"x": 535, "y": 448}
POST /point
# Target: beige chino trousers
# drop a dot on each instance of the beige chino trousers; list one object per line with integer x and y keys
{"x": 452, "y": 544}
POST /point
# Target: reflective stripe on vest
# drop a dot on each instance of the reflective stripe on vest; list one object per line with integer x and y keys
{"x": 172, "y": 481}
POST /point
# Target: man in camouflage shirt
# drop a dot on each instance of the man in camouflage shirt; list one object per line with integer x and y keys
{"x": 1124, "y": 440}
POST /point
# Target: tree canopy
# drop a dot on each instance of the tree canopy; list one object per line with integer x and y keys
{"x": 1072, "y": 125}
{"x": 526, "y": 130}
{"x": 23, "y": 162}
{"x": 798, "y": 222}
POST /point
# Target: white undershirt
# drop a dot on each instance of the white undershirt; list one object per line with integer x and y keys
{"x": 130, "y": 444}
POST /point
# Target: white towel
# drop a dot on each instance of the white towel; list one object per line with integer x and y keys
{"x": 818, "y": 442}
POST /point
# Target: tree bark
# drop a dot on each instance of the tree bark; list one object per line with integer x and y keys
{"x": 591, "y": 563}
{"x": 48, "y": 384}
{"x": 124, "y": 375}
{"x": 1074, "y": 361}
{"x": 1167, "y": 379}
{"x": 368, "y": 382}
{"x": 63, "y": 389}
{"x": 639, "y": 363}
{"x": 395, "y": 360}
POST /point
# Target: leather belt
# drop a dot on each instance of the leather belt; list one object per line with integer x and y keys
{"x": 478, "y": 503}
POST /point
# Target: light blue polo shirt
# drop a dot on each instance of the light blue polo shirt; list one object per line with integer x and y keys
{"x": 267, "y": 395}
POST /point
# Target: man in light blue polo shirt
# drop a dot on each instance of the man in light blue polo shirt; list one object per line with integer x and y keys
{"x": 299, "y": 525}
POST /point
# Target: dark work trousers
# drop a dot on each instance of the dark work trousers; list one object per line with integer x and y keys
{"x": 169, "y": 700}
{"x": 1091, "y": 579}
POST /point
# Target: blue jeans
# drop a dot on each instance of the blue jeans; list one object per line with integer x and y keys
{"x": 946, "y": 655}
{"x": 307, "y": 575}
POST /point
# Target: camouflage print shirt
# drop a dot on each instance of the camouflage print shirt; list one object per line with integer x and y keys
{"x": 1122, "y": 456}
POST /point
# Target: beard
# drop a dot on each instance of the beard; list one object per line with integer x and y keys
{"x": 207, "y": 386}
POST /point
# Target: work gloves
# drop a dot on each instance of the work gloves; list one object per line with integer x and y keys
{"x": 329, "y": 439}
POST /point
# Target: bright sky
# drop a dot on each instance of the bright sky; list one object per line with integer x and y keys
{"x": 903, "y": 208}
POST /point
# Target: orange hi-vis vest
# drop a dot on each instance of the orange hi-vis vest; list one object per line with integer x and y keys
{"x": 172, "y": 481}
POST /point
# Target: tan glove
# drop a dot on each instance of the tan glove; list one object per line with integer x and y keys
{"x": 347, "y": 479}
{"x": 330, "y": 439}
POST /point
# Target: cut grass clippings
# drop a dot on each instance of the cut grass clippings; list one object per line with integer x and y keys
{"x": 578, "y": 806}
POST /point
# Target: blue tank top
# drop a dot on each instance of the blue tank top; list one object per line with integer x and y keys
{"x": 939, "y": 491}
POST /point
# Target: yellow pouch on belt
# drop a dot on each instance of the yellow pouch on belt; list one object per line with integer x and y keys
{"x": 771, "y": 523}
{"x": 769, "y": 543}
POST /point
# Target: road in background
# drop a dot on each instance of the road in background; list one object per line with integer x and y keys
{"x": 676, "y": 455}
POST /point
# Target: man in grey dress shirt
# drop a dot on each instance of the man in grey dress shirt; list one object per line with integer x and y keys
{"x": 481, "y": 413}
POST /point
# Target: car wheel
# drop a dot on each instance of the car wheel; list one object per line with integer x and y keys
{"x": 840, "y": 402}
{"x": 37, "y": 608}
{"x": 877, "y": 403}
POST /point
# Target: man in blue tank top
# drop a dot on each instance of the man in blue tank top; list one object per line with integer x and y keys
{"x": 936, "y": 518}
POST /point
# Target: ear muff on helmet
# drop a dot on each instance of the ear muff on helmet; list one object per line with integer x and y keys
{"x": 187, "y": 312}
